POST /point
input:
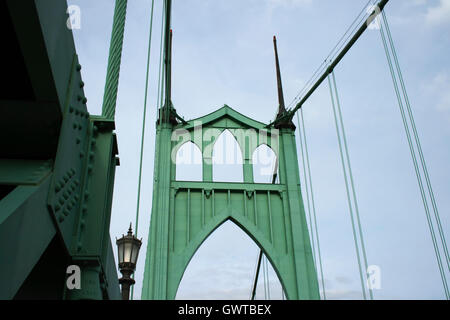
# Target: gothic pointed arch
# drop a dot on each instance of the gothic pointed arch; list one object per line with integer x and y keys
{"x": 256, "y": 235}
{"x": 265, "y": 164}
{"x": 227, "y": 159}
{"x": 223, "y": 260}
{"x": 188, "y": 163}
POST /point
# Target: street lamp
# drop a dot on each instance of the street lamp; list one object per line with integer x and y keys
{"x": 128, "y": 250}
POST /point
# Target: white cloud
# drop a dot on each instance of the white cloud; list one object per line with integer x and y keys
{"x": 285, "y": 3}
{"x": 439, "y": 14}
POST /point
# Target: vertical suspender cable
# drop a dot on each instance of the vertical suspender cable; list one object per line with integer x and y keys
{"x": 267, "y": 282}
{"x": 361, "y": 273}
{"x": 258, "y": 268}
{"x": 418, "y": 144}
{"x": 305, "y": 156}
{"x": 143, "y": 120}
{"x": 307, "y": 190}
{"x": 158, "y": 104}
{"x": 143, "y": 130}
{"x": 264, "y": 277}
{"x": 313, "y": 203}
{"x": 262, "y": 259}
{"x": 414, "y": 160}
{"x": 350, "y": 173}
{"x": 261, "y": 255}
{"x": 167, "y": 8}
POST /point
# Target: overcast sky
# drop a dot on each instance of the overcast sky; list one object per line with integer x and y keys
{"x": 223, "y": 54}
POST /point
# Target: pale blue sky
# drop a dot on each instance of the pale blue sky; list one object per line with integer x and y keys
{"x": 223, "y": 54}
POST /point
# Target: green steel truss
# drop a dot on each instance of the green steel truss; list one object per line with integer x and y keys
{"x": 185, "y": 213}
{"x": 57, "y": 164}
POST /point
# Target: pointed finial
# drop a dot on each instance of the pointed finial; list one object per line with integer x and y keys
{"x": 169, "y": 68}
{"x": 287, "y": 123}
{"x": 130, "y": 231}
{"x": 281, "y": 107}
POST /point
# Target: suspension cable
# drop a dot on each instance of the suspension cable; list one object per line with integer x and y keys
{"x": 307, "y": 191}
{"x": 264, "y": 278}
{"x": 260, "y": 256}
{"x": 143, "y": 131}
{"x": 114, "y": 60}
{"x": 335, "y": 105}
{"x": 305, "y": 156}
{"x": 339, "y": 45}
{"x": 268, "y": 279}
{"x": 335, "y": 61}
{"x": 267, "y": 276}
{"x": 256, "y": 273}
{"x": 159, "y": 102}
{"x": 418, "y": 144}
{"x": 355, "y": 202}
{"x": 413, "y": 157}
{"x": 143, "y": 120}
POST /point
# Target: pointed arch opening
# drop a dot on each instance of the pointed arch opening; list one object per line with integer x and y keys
{"x": 224, "y": 267}
{"x": 227, "y": 159}
{"x": 189, "y": 163}
{"x": 265, "y": 164}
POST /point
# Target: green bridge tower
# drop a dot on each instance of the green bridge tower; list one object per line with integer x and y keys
{"x": 185, "y": 213}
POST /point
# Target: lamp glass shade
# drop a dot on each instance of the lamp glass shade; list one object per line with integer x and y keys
{"x": 135, "y": 253}
{"x": 128, "y": 246}
{"x": 120, "y": 252}
{"x": 128, "y": 249}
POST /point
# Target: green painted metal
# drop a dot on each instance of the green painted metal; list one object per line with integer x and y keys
{"x": 65, "y": 191}
{"x": 23, "y": 217}
{"x": 185, "y": 213}
{"x": 313, "y": 226}
{"x": 24, "y": 172}
{"x": 115, "y": 57}
{"x": 57, "y": 167}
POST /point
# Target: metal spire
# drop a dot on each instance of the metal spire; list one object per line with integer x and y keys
{"x": 169, "y": 67}
{"x": 281, "y": 107}
{"x": 287, "y": 123}
{"x": 168, "y": 114}
{"x": 167, "y": 57}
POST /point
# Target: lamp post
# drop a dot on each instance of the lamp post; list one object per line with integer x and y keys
{"x": 128, "y": 251}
